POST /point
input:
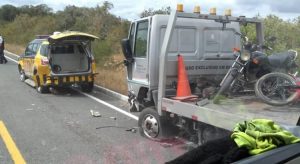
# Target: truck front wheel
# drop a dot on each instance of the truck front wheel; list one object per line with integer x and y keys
{"x": 151, "y": 125}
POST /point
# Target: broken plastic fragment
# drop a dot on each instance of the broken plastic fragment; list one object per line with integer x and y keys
{"x": 95, "y": 113}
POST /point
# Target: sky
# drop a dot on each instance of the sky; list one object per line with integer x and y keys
{"x": 130, "y": 9}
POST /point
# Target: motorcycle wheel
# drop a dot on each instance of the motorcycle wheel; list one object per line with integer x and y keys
{"x": 226, "y": 85}
{"x": 276, "y": 89}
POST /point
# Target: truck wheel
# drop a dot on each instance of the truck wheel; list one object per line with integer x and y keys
{"x": 151, "y": 125}
{"x": 42, "y": 89}
{"x": 87, "y": 87}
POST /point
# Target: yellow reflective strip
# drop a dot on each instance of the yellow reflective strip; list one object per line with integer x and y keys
{"x": 48, "y": 81}
{"x": 76, "y": 78}
{"x": 83, "y": 78}
{"x": 10, "y": 145}
{"x": 64, "y": 79}
{"x": 71, "y": 79}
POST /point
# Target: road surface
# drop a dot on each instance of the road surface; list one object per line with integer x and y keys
{"x": 59, "y": 128}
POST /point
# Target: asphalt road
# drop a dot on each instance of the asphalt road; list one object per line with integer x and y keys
{"x": 59, "y": 128}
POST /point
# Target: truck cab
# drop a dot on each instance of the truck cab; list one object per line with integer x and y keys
{"x": 205, "y": 45}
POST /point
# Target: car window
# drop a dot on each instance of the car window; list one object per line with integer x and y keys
{"x": 44, "y": 50}
{"x": 35, "y": 48}
{"x": 62, "y": 49}
{"x": 29, "y": 50}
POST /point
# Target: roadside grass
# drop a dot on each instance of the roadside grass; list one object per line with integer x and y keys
{"x": 112, "y": 73}
{"x": 17, "y": 49}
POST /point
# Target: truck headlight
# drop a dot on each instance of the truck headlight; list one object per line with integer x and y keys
{"x": 245, "y": 56}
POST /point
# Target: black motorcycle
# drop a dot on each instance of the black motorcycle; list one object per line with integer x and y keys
{"x": 270, "y": 76}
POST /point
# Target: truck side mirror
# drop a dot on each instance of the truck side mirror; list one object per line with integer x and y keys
{"x": 126, "y": 48}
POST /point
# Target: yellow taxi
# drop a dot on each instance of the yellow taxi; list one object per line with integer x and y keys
{"x": 59, "y": 60}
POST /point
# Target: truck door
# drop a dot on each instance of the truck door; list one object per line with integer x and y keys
{"x": 139, "y": 71}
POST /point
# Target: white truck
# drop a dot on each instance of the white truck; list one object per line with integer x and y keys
{"x": 206, "y": 42}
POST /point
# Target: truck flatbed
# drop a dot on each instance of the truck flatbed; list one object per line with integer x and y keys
{"x": 231, "y": 111}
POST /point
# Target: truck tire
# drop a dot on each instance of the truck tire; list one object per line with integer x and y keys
{"x": 267, "y": 89}
{"x": 226, "y": 85}
{"x": 87, "y": 87}
{"x": 151, "y": 125}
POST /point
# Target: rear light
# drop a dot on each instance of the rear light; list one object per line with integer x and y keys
{"x": 255, "y": 61}
{"x": 235, "y": 49}
{"x": 44, "y": 61}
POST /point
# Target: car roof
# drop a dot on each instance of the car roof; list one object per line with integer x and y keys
{"x": 38, "y": 40}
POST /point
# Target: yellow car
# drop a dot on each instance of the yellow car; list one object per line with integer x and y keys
{"x": 59, "y": 60}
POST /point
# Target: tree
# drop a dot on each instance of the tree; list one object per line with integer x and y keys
{"x": 150, "y": 12}
{"x": 106, "y": 7}
{"x": 8, "y": 12}
{"x": 38, "y": 10}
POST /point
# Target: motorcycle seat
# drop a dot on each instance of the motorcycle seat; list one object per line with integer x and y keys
{"x": 280, "y": 60}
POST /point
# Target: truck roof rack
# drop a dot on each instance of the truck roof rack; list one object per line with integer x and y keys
{"x": 219, "y": 18}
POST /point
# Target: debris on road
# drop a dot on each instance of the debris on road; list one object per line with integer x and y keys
{"x": 166, "y": 145}
{"x": 133, "y": 130}
{"x": 95, "y": 113}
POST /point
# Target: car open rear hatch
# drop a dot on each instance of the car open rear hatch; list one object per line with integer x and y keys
{"x": 70, "y": 52}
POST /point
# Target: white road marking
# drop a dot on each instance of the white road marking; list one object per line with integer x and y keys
{"x": 11, "y": 59}
{"x": 120, "y": 96}
{"x": 96, "y": 99}
{"x": 11, "y": 53}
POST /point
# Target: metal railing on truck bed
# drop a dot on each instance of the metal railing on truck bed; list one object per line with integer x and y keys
{"x": 224, "y": 115}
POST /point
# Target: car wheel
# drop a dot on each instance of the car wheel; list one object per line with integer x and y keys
{"x": 42, "y": 89}
{"x": 22, "y": 76}
{"x": 87, "y": 87}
